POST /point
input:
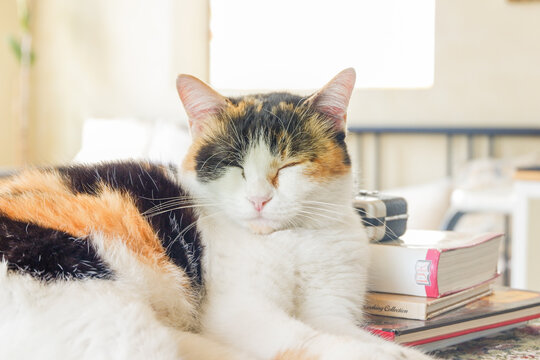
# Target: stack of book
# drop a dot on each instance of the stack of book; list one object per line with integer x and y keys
{"x": 432, "y": 289}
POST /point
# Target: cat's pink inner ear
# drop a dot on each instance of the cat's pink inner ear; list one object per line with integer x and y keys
{"x": 333, "y": 98}
{"x": 200, "y": 102}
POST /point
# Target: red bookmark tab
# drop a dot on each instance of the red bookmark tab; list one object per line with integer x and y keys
{"x": 432, "y": 259}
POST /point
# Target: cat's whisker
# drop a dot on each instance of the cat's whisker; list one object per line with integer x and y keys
{"x": 219, "y": 163}
{"x": 166, "y": 198}
{"x": 211, "y": 156}
{"x": 323, "y": 209}
{"x": 318, "y": 222}
{"x": 173, "y": 201}
{"x": 322, "y": 215}
{"x": 238, "y": 147}
{"x": 293, "y": 223}
{"x": 178, "y": 208}
{"x": 232, "y": 144}
{"x": 327, "y": 204}
{"x": 189, "y": 227}
{"x": 174, "y": 206}
{"x": 372, "y": 216}
{"x": 237, "y": 135}
{"x": 233, "y": 128}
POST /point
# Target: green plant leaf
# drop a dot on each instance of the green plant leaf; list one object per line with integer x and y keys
{"x": 24, "y": 14}
{"x": 25, "y": 20}
{"x": 15, "y": 46}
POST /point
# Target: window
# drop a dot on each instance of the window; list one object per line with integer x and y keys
{"x": 301, "y": 44}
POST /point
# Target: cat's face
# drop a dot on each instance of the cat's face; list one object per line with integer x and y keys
{"x": 269, "y": 162}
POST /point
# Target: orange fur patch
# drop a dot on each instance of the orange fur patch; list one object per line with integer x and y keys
{"x": 273, "y": 174}
{"x": 295, "y": 354}
{"x": 236, "y": 111}
{"x": 42, "y": 198}
{"x": 328, "y": 164}
{"x": 190, "y": 162}
{"x": 286, "y": 106}
{"x": 273, "y": 179}
{"x": 233, "y": 111}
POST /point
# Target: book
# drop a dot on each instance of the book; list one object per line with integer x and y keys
{"x": 440, "y": 344}
{"x": 504, "y": 308}
{"x": 420, "y": 307}
{"x": 433, "y": 263}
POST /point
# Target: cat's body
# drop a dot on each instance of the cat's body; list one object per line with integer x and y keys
{"x": 255, "y": 253}
{"x": 86, "y": 273}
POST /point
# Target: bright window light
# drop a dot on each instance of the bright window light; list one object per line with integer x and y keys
{"x": 296, "y": 44}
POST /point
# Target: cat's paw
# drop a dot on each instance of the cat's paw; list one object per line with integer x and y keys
{"x": 394, "y": 352}
{"x": 197, "y": 347}
{"x": 335, "y": 348}
{"x": 295, "y": 354}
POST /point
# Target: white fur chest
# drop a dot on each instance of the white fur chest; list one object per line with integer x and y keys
{"x": 285, "y": 266}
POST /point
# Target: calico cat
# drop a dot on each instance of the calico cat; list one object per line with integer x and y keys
{"x": 251, "y": 251}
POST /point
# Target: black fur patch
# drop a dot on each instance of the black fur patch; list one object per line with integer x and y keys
{"x": 269, "y": 123}
{"x": 151, "y": 189}
{"x": 48, "y": 254}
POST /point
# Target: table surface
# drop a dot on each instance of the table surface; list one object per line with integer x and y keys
{"x": 520, "y": 343}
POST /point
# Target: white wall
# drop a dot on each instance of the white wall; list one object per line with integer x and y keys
{"x": 487, "y": 73}
{"x": 487, "y": 56}
{"x": 101, "y": 58}
{"x": 8, "y": 86}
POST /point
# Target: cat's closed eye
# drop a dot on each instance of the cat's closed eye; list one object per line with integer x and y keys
{"x": 291, "y": 164}
{"x": 274, "y": 179}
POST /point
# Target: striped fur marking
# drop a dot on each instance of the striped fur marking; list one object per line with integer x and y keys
{"x": 54, "y": 206}
{"x": 48, "y": 254}
{"x": 110, "y": 199}
{"x": 153, "y": 192}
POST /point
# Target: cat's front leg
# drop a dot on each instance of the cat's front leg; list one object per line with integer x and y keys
{"x": 337, "y": 314}
{"x": 258, "y": 327}
{"x": 196, "y": 347}
{"x": 266, "y": 331}
{"x": 329, "y": 347}
{"x": 349, "y": 335}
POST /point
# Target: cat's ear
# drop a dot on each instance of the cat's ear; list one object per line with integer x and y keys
{"x": 334, "y": 97}
{"x": 200, "y": 101}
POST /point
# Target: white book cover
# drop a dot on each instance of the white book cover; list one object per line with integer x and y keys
{"x": 412, "y": 265}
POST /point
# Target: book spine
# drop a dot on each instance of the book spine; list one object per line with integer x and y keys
{"x": 401, "y": 309}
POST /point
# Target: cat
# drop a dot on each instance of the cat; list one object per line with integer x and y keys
{"x": 252, "y": 250}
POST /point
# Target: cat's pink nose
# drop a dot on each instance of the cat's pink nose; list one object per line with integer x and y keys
{"x": 258, "y": 202}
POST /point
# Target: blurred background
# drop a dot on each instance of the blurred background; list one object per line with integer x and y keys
{"x": 447, "y": 104}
